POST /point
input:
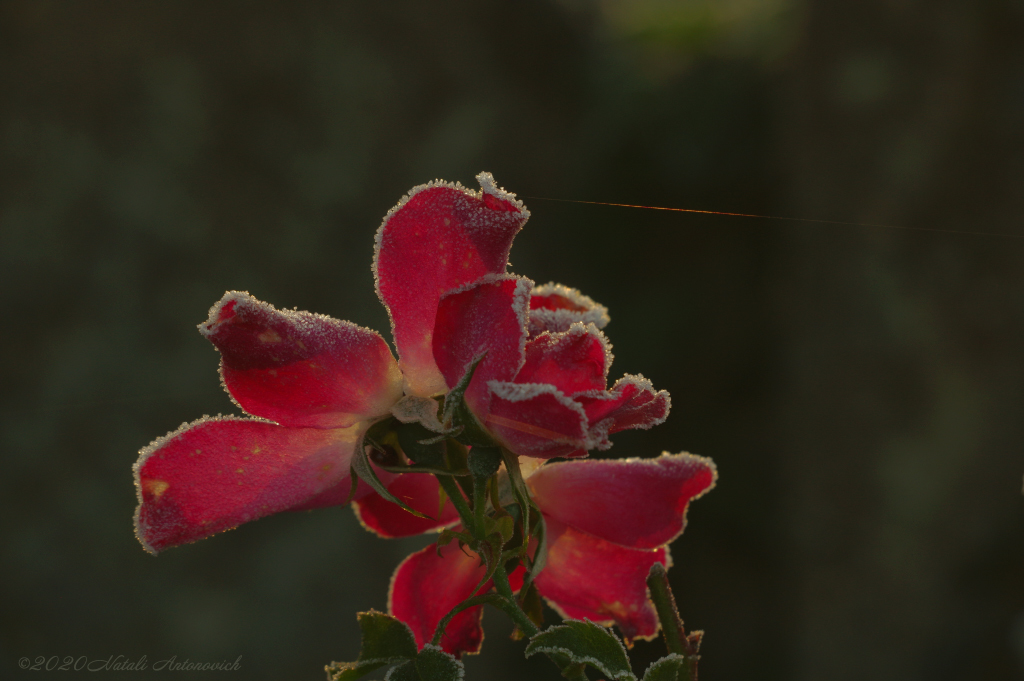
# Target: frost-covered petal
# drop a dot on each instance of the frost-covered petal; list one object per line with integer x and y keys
{"x": 639, "y": 503}
{"x": 573, "y": 361}
{"x": 588, "y": 577}
{"x": 631, "y": 403}
{"x": 217, "y": 473}
{"x": 439, "y": 237}
{"x": 554, "y": 307}
{"x": 299, "y": 368}
{"x": 535, "y": 419}
{"x": 419, "y": 491}
{"x": 426, "y": 586}
{"x": 487, "y": 316}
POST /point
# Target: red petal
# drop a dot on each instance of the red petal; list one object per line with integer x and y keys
{"x": 588, "y": 577}
{"x": 439, "y": 237}
{"x": 631, "y": 403}
{"x": 574, "y": 361}
{"x": 535, "y": 419}
{"x": 639, "y": 503}
{"x": 299, "y": 368}
{"x": 554, "y": 307}
{"x": 214, "y": 474}
{"x": 425, "y": 587}
{"x": 419, "y": 491}
{"x": 486, "y": 316}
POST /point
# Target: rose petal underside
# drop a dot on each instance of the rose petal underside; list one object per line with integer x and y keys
{"x": 215, "y": 474}
{"x": 588, "y": 577}
{"x": 420, "y": 491}
{"x": 426, "y": 586}
{"x": 638, "y": 503}
{"x": 535, "y": 419}
{"x": 574, "y": 361}
{"x": 439, "y": 238}
{"x": 488, "y": 316}
{"x": 554, "y": 307}
{"x": 299, "y": 368}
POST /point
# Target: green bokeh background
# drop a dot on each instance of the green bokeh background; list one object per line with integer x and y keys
{"x": 860, "y": 388}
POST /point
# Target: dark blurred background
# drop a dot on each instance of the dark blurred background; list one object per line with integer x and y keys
{"x": 860, "y": 388}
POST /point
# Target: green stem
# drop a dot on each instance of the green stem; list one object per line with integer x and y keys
{"x": 672, "y": 628}
{"x": 454, "y": 492}
{"x": 479, "y": 500}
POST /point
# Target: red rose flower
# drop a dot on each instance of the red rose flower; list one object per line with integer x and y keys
{"x": 607, "y": 522}
{"x": 312, "y": 385}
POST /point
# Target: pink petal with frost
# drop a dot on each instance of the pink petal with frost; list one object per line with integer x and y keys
{"x": 588, "y": 577}
{"x": 574, "y": 361}
{"x": 299, "y": 368}
{"x": 638, "y": 503}
{"x": 217, "y": 473}
{"x": 631, "y": 403}
{"x": 439, "y": 237}
{"x": 426, "y": 586}
{"x": 487, "y": 316}
{"x": 535, "y": 419}
{"x": 554, "y": 307}
{"x": 419, "y": 491}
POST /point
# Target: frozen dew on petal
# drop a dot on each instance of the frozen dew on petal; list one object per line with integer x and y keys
{"x": 484, "y": 318}
{"x": 427, "y": 585}
{"x": 536, "y": 419}
{"x": 639, "y": 503}
{"x": 300, "y": 368}
{"x": 588, "y": 577}
{"x": 439, "y": 237}
{"x": 631, "y": 403}
{"x": 217, "y": 473}
{"x": 574, "y": 361}
{"x": 554, "y": 307}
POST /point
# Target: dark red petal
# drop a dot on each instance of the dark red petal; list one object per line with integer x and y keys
{"x": 439, "y": 237}
{"x": 574, "y": 361}
{"x": 486, "y": 316}
{"x": 217, "y": 473}
{"x": 631, "y": 403}
{"x": 639, "y": 503}
{"x": 299, "y": 368}
{"x": 535, "y": 419}
{"x": 588, "y": 577}
{"x": 554, "y": 307}
{"x": 419, "y": 491}
{"x": 425, "y": 587}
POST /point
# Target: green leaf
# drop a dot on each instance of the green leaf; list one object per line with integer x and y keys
{"x": 385, "y": 636}
{"x": 385, "y": 640}
{"x": 668, "y": 668}
{"x": 403, "y": 672}
{"x": 433, "y": 664}
{"x": 584, "y": 642}
{"x": 484, "y": 461}
{"x": 361, "y": 467}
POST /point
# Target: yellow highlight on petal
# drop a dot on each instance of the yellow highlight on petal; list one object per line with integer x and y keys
{"x": 155, "y": 487}
{"x": 269, "y": 336}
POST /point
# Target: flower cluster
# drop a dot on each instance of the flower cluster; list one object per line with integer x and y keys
{"x": 494, "y": 378}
